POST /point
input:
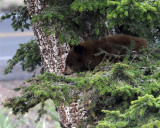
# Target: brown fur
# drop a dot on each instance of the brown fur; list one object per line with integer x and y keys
{"x": 83, "y": 56}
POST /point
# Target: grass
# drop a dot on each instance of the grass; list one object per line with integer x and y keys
{"x": 49, "y": 120}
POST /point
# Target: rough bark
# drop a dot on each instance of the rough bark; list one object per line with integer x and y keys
{"x": 53, "y": 57}
{"x": 52, "y": 53}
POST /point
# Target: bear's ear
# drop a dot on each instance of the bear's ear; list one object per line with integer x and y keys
{"x": 78, "y": 49}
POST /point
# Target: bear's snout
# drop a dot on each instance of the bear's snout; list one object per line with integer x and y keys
{"x": 68, "y": 70}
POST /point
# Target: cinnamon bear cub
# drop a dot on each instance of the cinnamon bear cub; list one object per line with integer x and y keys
{"x": 83, "y": 56}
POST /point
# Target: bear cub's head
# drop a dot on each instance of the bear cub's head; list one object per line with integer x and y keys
{"x": 75, "y": 60}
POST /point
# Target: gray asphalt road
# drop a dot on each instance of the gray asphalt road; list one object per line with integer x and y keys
{"x": 9, "y": 43}
{"x": 17, "y": 73}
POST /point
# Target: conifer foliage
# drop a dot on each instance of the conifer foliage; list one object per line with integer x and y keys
{"x": 142, "y": 113}
{"x": 136, "y": 15}
{"x": 120, "y": 95}
{"x": 20, "y": 18}
{"x": 28, "y": 55}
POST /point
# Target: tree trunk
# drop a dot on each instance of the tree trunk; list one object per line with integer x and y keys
{"x": 52, "y": 53}
{"x": 53, "y": 57}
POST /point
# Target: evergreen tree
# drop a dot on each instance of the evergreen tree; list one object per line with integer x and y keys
{"x": 125, "y": 91}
